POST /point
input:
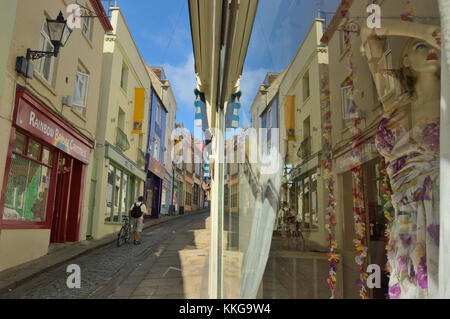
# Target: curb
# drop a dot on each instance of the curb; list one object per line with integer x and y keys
{"x": 27, "y": 268}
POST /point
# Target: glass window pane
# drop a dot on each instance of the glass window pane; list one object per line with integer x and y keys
{"x": 19, "y": 143}
{"x": 109, "y": 193}
{"x": 125, "y": 202}
{"x": 117, "y": 195}
{"x": 27, "y": 190}
{"x": 47, "y": 156}
{"x": 34, "y": 150}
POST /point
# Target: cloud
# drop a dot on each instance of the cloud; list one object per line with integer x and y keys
{"x": 183, "y": 81}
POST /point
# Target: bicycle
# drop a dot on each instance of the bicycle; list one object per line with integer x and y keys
{"x": 125, "y": 231}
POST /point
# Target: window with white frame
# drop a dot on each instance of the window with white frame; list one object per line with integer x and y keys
{"x": 124, "y": 77}
{"x": 87, "y": 27}
{"x": 384, "y": 77}
{"x": 346, "y": 93}
{"x": 44, "y": 66}
{"x": 81, "y": 91}
{"x": 156, "y": 146}
{"x": 306, "y": 88}
{"x": 158, "y": 114}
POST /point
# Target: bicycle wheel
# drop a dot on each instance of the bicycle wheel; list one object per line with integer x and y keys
{"x": 121, "y": 237}
{"x": 127, "y": 234}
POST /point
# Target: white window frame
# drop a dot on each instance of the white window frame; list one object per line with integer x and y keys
{"x": 87, "y": 27}
{"x": 158, "y": 115}
{"x": 156, "y": 147}
{"x": 385, "y": 80}
{"x": 345, "y": 102}
{"x": 76, "y": 105}
{"x": 306, "y": 89}
{"x": 124, "y": 76}
{"x": 43, "y": 41}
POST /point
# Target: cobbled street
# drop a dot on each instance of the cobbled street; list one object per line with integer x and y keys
{"x": 129, "y": 271}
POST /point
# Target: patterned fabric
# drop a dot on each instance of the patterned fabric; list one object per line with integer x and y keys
{"x": 198, "y": 113}
{"x": 412, "y": 158}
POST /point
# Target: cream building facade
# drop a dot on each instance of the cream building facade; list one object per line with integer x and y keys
{"x": 301, "y": 140}
{"x": 120, "y": 154}
{"x": 49, "y": 143}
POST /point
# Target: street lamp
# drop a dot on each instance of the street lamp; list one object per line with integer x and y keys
{"x": 59, "y": 33}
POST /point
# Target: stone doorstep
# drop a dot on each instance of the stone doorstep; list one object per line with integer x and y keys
{"x": 15, "y": 276}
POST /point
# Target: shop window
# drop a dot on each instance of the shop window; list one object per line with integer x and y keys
{"x": 307, "y": 202}
{"x": 124, "y": 196}
{"x": 225, "y": 195}
{"x": 47, "y": 156}
{"x": 34, "y": 150}
{"x": 188, "y": 201}
{"x": 19, "y": 143}
{"x": 28, "y": 183}
{"x": 118, "y": 194}
{"x": 196, "y": 194}
{"x": 44, "y": 66}
{"x": 234, "y": 196}
{"x": 109, "y": 193}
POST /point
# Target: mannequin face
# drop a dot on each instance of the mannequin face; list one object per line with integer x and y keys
{"x": 421, "y": 58}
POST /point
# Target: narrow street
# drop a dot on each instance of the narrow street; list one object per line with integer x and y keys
{"x": 150, "y": 270}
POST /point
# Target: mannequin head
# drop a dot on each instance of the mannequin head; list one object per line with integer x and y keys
{"x": 417, "y": 59}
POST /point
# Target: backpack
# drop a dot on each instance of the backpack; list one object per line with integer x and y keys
{"x": 136, "y": 211}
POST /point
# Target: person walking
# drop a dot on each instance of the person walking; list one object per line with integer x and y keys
{"x": 136, "y": 214}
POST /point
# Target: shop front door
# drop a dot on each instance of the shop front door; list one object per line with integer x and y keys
{"x": 59, "y": 221}
{"x": 67, "y": 209}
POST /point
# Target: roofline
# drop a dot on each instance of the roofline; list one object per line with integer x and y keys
{"x": 337, "y": 19}
{"x": 101, "y": 15}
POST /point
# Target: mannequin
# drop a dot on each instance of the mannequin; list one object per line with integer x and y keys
{"x": 408, "y": 139}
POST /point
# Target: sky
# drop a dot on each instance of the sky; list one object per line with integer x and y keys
{"x": 161, "y": 30}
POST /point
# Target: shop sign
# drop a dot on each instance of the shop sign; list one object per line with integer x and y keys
{"x": 130, "y": 166}
{"x": 118, "y": 158}
{"x": 38, "y": 124}
{"x": 156, "y": 168}
{"x": 304, "y": 168}
{"x": 179, "y": 176}
{"x": 368, "y": 152}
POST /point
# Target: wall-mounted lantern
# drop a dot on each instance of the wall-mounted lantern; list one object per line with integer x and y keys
{"x": 59, "y": 32}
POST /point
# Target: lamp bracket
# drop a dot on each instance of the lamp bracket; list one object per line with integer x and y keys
{"x": 89, "y": 13}
{"x": 35, "y": 55}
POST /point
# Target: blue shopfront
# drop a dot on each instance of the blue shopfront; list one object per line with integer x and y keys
{"x": 155, "y": 155}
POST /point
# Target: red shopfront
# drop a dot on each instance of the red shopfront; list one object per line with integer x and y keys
{"x": 44, "y": 174}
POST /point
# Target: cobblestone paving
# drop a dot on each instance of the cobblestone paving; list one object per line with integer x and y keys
{"x": 103, "y": 265}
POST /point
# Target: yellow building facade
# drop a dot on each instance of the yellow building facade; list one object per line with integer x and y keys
{"x": 120, "y": 153}
{"x": 301, "y": 144}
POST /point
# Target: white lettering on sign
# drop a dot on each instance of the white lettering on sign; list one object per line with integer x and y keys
{"x": 56, "y": 134}
{"x": 41, "y": 126}
{"x": 77, "y": 149}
